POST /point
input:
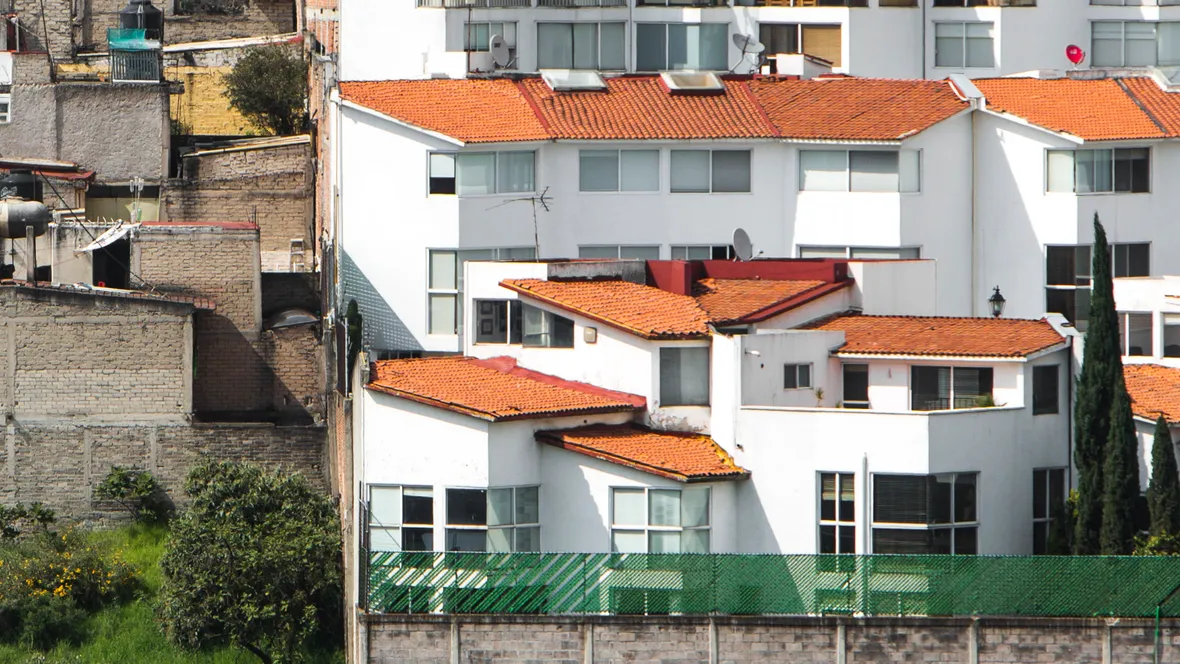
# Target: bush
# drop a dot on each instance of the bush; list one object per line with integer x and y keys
{"x": 268, "y": 86}
{"x": 18, "y": 518}
{"x": 47, "y": 621}
{"x": 137, "y": 492}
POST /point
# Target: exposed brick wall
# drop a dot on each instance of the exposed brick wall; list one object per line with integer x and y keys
{"x": 261, "y": 17}
{"x": 57, "y": 22}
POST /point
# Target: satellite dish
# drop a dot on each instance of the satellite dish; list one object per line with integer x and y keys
{"x": 1075, "y": 54}
{"x": 747, "y": 44}
{"x": 499, "y": 50}
{"x": 742, "y": 247}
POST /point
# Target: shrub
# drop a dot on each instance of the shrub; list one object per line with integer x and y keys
{"x": 47, "y": 621}
{"x": 13, "y": 520}
{"x": 137, "y": 492}
{"x": 268, "y": 86}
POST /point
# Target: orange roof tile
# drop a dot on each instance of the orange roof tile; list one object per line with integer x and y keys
{"x": 494, "y": 389}
{"x": 642, "y": 310}
{"x": 471, "y": 110}
{"x": 686, "y": 457}
{"x": 1162, "y": 105}
{"x": 1154, "y": 390}
{"x": 728, "y": 300}
{"x": 856, "y": 109}
{"x": 1094, "y": 110}
{"x": 940, "y": 336}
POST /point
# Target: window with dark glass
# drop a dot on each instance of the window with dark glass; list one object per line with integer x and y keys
{"x": 684, "y": 376}
{"x": 1136, "y": 334}
{"x": 401, "y": 518}
{"x": 796, "y": 376}
{"x": 1131, "y": 259}
{"x": 1067, "y": 283}
{"x": 497, "y": 322}
{"x": 837, "y": 513}
{"x": 856, "y": 386}
{"x": 1122, "y": 170}
{"x": 1045, "y": 389}
{"x": 1048, "y": 505}
{"x": 944, "y": 388}
{"x": 546, "y": 329}
{"x": 496, "y": 520}
{"x": 927, "y": 514}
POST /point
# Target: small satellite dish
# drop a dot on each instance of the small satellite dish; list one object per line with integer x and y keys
{"x": 747, "y": 44}
{"x": 499, "y": 50}
{"x": 742, "y": 247}
{"x": 1075, "y": 54}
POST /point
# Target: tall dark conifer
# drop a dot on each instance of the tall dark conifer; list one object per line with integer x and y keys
{"x": 1163, "y": 492}
{"x": 1101, "y": 367}
{"x": 1120, "y": 477}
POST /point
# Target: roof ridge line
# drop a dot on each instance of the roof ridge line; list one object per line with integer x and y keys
{"x": 774, "y": 130}
{"x": 1150, "y": 116}
{"x": 528, "y": 98}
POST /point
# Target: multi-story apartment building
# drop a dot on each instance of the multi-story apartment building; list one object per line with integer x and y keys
{"x": 883, "y": 38}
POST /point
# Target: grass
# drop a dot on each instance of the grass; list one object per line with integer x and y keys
{"x": 128, "y": 634}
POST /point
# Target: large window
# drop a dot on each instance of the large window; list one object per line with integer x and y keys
{"x": 617, "y": 251}
{"x": 1048, "y": 505}
{"x": 702, "y": 252}
{"x": 856, "y": 386}
{"x": 581, "y": 46}
{"x": 401, "y": 518}
{"x": 1067, "y": 283}
{"x": 479, "y": 34}
{"x": 704, "y": 171}
{"x": 445, "y": 282}
{"x": 496, "y": 520}
{"x": 1171, "y": 335}
{"x": 1135, "y": 43}
{"x": 1045, "y": 389}
{"x": 821, "y": 41}
{"x": 860, "y": 252}
{"x": 1135, "y": 334}
{"x": 684, "y": 376}
{"x": 964, "y": 45}
{"x": 837, "y": 513}
{"x": 545, "y": 329}
{"x": 1131, "y": 260}
{"x": 1123, "y": 170}
{"x": 944, "y": 388}
{"x": 660, "y": 520}
{"x": 498, "y": 321}
{"x": 930, "y": 514}
{"x": 860, "y": 170}
{"x": 477, "y": 173}
{"x": 619, "y": 170}
{"x": 667, "y": 46}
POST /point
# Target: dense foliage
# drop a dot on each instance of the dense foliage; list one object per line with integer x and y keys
{"x": 268, "y": 86}
{"x": 1120, "y": 480}
{"x": 254, "y": 562}
{"x": 1163, "y": 491}
{"x": 137, "y": 492}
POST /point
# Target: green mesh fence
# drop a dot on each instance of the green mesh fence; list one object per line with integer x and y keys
{"x": 572, "y": 583}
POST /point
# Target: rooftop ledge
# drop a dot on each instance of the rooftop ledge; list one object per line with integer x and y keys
{"x": 869, "y": 411}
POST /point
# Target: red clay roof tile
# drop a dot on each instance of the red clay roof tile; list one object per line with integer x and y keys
{"x": 730, "y": 300}
{"x": 940, "y": 336}
{"x": 1154, "y": 390}
{"x": 641, "y": 310}
{"x": 495, "y": 389}
{"x": 685, "y": 457}
{"x": 1100, "y": 110}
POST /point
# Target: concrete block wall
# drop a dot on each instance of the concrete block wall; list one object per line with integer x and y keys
{"x": 260, "y": 17}
{"x": 54, "y": 34}
{"x": 434, "y": 639}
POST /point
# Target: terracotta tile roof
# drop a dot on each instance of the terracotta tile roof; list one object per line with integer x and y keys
{"x": 729, "y": 300}
{"x": 687, "y": 457}
{"x": 940, "y": 336}
{"x": 642, "y": 310}
{"x": 1154, "y": 390}
{"x": 1163, "y": 106}
{"x": 495, "y": 389}
{"x": 1096, "y": 110}
{"x": 471, "y": 110}
{"x": 640, "y": 108}
{"x": 857, "y": 109}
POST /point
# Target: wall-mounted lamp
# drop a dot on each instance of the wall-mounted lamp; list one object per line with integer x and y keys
{"x": 753, "y": 352}
{"x": 997, "y": 301}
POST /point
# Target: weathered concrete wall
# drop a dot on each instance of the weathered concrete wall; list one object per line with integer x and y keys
{"x": 427, "y": 639}
{"x": 259, "y": 17}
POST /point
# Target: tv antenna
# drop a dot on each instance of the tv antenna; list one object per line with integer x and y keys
{"x": 742, "y": 247}
{"x": 543, "y": 199}
{"x": 748, "y": 45}
{"x": 500, "y": 53}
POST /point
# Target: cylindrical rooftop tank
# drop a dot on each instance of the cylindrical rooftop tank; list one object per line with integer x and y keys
{"x": 22, "y": 183}
{"x": 142, "y": 14}
{"x": 17, "y": 215}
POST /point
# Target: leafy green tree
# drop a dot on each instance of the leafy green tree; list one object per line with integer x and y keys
{"x": 254, "y": 562}
{"x": 1163, "y": 491}
{"x": 268, "y": 86}
{"x": 1120, "y": 481}
{"x": 136, "y": 491}
{"x": 1101, "y": 368}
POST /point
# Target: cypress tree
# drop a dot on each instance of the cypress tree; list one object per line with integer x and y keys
{"x": 1120, "y": 481}
{"x": 1101, "y": 368}
{"x": 1163, "y": 492}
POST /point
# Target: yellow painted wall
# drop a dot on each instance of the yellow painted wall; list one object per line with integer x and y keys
{"x": 203, "y": 108}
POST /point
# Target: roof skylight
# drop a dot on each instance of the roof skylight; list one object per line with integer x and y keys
{"x": 573, "y": 80}
{"x": 692, "y": 81}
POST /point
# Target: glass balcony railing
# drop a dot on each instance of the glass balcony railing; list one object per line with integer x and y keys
{"x": 464, "y": 4}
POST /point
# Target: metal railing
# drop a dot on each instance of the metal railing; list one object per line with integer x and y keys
{"x": 736, "y": 584}
{"x": 464, "y": 4}
{"x": 803, "y": 3}
{"x": 135, "y": 67}
{"x": 581, "y": 3}
{"x": 984, "y": 3}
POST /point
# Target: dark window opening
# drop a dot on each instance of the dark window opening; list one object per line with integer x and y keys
{"x": 111, "y": 265}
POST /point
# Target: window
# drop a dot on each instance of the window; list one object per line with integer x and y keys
{"x": 860, "y": 170}
{"x": 1131, "y": 260}
{"x": 964, "y": 45}
{"x": 495, "y": 520}
{"x": 1045, "y": 389}
{"x": 837, "y": 513}
{"x": 1135, "y": 43}
{"x": 926, "y": 514}
{"x": 684, "y": 376}
{"x": 796, "y": 376}
{"x": 498, "y": 321}
{"x": 581, "y": 46}
{"x": 1171, "y": 335}
{"x": 5, "y": 109}
{"x": 1048, "y": 505}
{"x": 856, "y": 386}
{"x": 445, "y": 282}
{"x": 821, "y": 41}
{"x": 479, "y": 173}
{"x": 702, "y": 252}
{"x": 619, "y": 170}
{"x": 860, "y": 252}
{"x": 618, "y": 252}
{"x": 660, "y": 520}
{"x": 1067, "y": 283}
{"x": 544, "y": 329}
{"x": 401, "y": 518}
{"x": 1135, "y": 332}
{"x": 478, "y": 35}
{"x": 668, "y": 46}
{"x": 1123, "y": 170}
{"x": 704, "y": 171}
{"x": 944, "y": 388}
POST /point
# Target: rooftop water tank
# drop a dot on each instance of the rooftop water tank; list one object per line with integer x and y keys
{"x": 142, "y": 15}
{"x": 18, "y": 215}
{"x": 22, "y": 183}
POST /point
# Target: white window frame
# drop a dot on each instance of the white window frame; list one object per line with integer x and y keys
{"x": 667, "y": 57}
{"x": 597, "y": 36}
{"x": 952, "y": 525}
{"x": 469, "y": 38}
{"x": 851, "y": 252}
{"x": 681, "y": 252}
{"x": 1122, "y": 40}
{"x": 1125, "y": 332}
{"x": 511, "y": 307}
{"x": 401, "y": 524}
{"x": 497, "y": 157}
{"x": 1045, "y": 475}
{"x": 963, "y": 44}
{"x": 648, "y": 528}
{"x": 619, "y": 189}
{"x": 837, "y": 522}
{"x": 710, "y": 190}
{"x": 1169, "y": 321}
{"x": 904, "y": 186}
{"x": 678, "y": 349}
{"x": 620, "y": 249}
{"x": 1074, "y": 188}
{"x": 487, "y": 528}
{"x": 6, "y": 111}
{"x": 497, "y": 253}
{"x": 794, "y": 369}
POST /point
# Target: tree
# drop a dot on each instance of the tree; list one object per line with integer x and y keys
{"x": 136, "y": 491}
{"x": 1120, "y": 481}
{"x": 254, "y": 562}
{"x": 268, "y": 86}
{"x": 1101, "y": 368}
{"x": 1163, "y": 491}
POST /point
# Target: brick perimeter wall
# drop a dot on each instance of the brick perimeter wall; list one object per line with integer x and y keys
{"x": 429, "y": 639}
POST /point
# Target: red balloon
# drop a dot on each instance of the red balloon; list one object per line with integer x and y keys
{"x": 1075, "y": 53}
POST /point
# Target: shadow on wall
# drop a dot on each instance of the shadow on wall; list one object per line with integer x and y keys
{"x": 382, "y": 330}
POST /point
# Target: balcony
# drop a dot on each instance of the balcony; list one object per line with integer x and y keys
{"x": 804, "y": 3}
{"x": 984, "y": 3}
{"x": 477, "y": 4}
{"x": 581, "y": 3}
